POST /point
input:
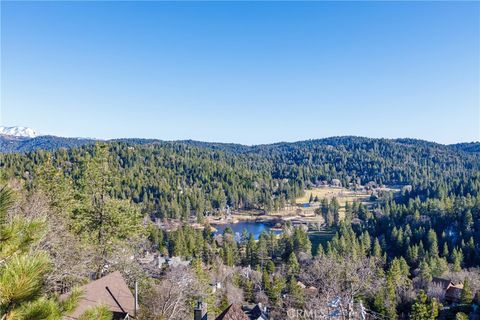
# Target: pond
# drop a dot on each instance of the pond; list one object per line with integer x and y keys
{"x": 254, "y": 227}
{"x": 257, "y": 227}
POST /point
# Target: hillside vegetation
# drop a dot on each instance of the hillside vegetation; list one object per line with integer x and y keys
{"x": 97, "y": 201}
{"x": 176, "y": 179}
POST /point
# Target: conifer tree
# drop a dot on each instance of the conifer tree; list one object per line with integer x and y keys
{"x": 102, "y": 220}
{"x": 445, "y": 251}
{"x": 100, "y": 312}
{"x": 457, "y": 259}
{"x": 425, "y": 271}
{"x": 466, "y": 295}
{"x": 296, "y": 293}
{"x": 377, "y": 250}
{"x": 293, "y": 267}
{"x": 433, "y": 243}
{"x": 22, "y": 269}
{"x": 422, "y": 309}
{"x": 461, "y": 316}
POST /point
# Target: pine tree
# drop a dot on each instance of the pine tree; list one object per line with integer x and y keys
{"x": 366, "y": 242}
{"x": 262, "y": 250}
{"x": 445, "y": 252}
{"x": 468, "y": 221}
{"x": 102, "y": 220}
{"x": 270, "y": 267}
{"x": 379, "y": 304}
{"x": 228, "y": 255}
{"x": 100, "y": 312}
{"x": 425, "y": 271}
{"x": 432, "y": 240}
{"x": 420, "y": 310}
{"x": 266, "y": 283}
{"x": 293, "y": 267}
{"x": 466, "y": 296}
{"x": 278, "y": 284}
{"x": 296, "y": 293}
{"x": 22, "y": 270}
{"x": 57, "y": 188}
{"x": 391, "y": 307}
{"x": 457, "y": 258}
{"x": 335, "y": 211}
{"x": 348, "y": 212}
{"x": 412, "y": 254}
{"x": 377, "y": 250}
{"x": 248, "y": 290}
{"x": 424, "y": 310}
{"x": 250, "y": 252}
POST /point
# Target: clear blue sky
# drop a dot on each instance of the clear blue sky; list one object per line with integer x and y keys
{"x": 242, "y": 72}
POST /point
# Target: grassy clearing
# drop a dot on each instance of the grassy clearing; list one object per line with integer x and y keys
{"x": 341, "y": 194}
{"x": 320, "y": 237}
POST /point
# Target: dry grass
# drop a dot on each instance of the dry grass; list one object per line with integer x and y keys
{"x": 307, "y": 214}
{"x": 341, "y": 194}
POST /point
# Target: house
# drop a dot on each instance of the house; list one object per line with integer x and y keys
{"x": 200, "y": 311}
{"x": 451, "y": 291}
{"x": 336, "y": 183}
{"x": 233, "y": 312}
{"x": 171, "y": 262}
{"x": 301, "y": 285}
{"x": 110, "y": 291}
{"x": 259, "y": 312}
{"x": 311, "y": 290}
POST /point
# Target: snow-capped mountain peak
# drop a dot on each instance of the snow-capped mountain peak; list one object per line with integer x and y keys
{"x": 18, "y": 131}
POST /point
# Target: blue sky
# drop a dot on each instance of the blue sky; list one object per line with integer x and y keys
{"x": 241, "y": 71}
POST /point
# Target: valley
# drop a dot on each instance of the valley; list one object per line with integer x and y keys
{"x": 264, "y": 222}
{"x": 239, "y": 160}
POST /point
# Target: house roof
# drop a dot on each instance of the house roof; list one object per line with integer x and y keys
{"x": 443, "y": 282}
{"x": 111, "y": 291}
{"x": 258, "y": 313}
{"x": 453, "y": 293}
{"x": 233, "y": 312}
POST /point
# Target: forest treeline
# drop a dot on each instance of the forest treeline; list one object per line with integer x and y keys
{"x": 178, "y": 179}
{"x": 83, "y": 212}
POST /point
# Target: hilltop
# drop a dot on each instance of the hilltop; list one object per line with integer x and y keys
{"x": 22, "y": 139}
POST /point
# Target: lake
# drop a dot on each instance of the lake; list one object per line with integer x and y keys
{"x": 257, "y": 227}
{"x": 254, "y": 227}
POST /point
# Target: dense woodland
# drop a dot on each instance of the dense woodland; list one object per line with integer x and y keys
{"x": 95, "y": 205}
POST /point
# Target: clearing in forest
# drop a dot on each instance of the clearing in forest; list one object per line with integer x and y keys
{"x": 341, "y": 194}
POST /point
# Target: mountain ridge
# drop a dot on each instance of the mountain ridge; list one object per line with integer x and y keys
{"x": 18, "y": 131}
{"x": 22, "y": 144}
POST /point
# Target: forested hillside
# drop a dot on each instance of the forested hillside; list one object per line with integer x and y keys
{"x": 97, "y": 201}
{"x": 10, "y": 144}
{"x": 176, "y": 179}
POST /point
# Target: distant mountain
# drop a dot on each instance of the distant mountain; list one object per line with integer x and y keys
{"x": 467, "y": 146}
{"x": 10, "y": 143}
{"x": 20, "y": 139}
{"x": 18, "y": 131}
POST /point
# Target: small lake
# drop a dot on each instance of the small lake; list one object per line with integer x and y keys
{"x": 257, "y": 227}
{"x": 254, "y": 227}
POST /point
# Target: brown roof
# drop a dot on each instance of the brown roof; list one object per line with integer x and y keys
{"x": 452, "y": 291}
{"x": 442, "y": 282}
{"x": 111, "y": 291}
{"x": 233, "y": 312}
